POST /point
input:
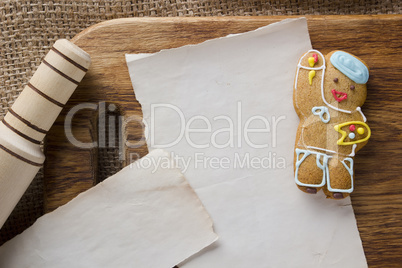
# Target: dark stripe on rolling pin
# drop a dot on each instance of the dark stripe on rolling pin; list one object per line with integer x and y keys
{"x": 29, "y": 124}
{"x": 20, "y": 133}
{"x": 20, "y": 157}
{"x": 70, "y": 60}
{"x": 60, "y": 73}
{"x": 45, "y": 96}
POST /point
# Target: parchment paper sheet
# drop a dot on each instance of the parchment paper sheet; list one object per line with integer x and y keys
{"x": 223, "y": 87}
{"x": 140, "y": 217}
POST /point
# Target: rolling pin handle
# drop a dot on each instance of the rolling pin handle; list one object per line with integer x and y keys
{"x": 31, "y": 116}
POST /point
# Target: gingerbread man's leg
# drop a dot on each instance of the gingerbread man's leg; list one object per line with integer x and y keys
{"x": 340, "y": 179}
{"x": 310, "y": 170}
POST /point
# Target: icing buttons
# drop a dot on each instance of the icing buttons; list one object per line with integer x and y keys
{"x": 360, "y": 130}
{"x": 352, "y": 135}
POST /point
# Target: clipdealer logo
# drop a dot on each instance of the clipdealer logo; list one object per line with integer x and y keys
{"x": 200, "y": 132}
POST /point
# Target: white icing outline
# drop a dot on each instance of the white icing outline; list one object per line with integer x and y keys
{"x": 322, "y": 149}
{"x": 323, "y": 110}
{"x": 324, "y": 167}
{"x": 322, "y": 78}
{"x": 360, "y": 111}
{"x": 350, "y": 170}
{"x": 353, "y": 150}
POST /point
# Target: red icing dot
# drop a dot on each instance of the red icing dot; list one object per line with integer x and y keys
{"x": 315, "y": 57}
{"x": 352, "y": 127}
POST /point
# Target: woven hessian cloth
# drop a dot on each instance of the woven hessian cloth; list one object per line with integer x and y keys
{"x": 29, "y": 29}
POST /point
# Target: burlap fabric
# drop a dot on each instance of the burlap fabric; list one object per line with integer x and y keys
{"x": 29, "y": 28}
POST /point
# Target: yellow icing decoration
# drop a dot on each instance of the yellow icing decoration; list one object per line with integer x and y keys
{"x": 311, "y": 75}
{"x": 311, "y": 61}
{"x": 360, "y": 130}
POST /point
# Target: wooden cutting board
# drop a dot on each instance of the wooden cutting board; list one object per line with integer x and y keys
{"x": 377, "y": 199}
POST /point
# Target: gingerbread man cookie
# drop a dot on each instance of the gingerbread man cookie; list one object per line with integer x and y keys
{"x": 328, "y": 94}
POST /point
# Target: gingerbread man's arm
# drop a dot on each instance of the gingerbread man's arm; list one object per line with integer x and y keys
{"x": 361, "y": 113}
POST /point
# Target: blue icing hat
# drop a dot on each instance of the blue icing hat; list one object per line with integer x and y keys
{"x": 350, "y": 66}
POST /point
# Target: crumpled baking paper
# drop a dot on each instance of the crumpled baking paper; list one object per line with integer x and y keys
{"x": 224, "y": 110}
{"x": 140, "y": 217}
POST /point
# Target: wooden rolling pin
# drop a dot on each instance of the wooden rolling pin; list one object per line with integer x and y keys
{"x": 31, "y": 116}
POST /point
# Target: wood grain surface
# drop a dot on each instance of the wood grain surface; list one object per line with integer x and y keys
{"x": 377, "y": 199}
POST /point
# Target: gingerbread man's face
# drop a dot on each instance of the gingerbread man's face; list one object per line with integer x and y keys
{"x": 345, "y": 80}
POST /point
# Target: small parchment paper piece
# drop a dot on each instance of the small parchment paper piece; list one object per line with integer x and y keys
{"x": 224, "y": 108}
{"x": 146, "y": 215}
